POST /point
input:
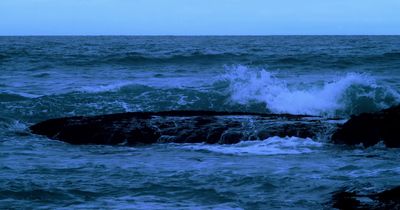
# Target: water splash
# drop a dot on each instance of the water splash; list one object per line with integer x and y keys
{"x": 350, "y": 94}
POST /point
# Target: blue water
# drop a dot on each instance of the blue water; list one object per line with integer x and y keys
{"x": 330, "y": 76}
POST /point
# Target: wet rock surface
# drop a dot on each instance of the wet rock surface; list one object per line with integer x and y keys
{"x": 387, "y": 199}
{"x": 179, "y": 127}
{"x": 371, "y": 128}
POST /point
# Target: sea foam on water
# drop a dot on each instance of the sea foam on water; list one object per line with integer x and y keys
{"x": 271, "y": 146}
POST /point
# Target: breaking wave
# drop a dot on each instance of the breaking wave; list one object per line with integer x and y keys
{"x": 350, "y": 94}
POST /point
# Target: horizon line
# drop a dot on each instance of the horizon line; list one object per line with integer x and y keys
{"x": 190, "y": 35}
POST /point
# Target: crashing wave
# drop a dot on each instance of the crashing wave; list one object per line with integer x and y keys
{"x": 350, "y": 94}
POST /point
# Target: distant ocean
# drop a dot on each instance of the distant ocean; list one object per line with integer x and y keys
{"x": 329, "y": 76}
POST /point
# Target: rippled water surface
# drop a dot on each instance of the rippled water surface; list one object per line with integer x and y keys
{"x": 330, "y": 76}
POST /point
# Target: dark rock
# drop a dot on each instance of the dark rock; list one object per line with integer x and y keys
{"x": 231, "y": 137}
{"x": 179, "y": 127}
{"x": 391, "y": 196}
{"x": 387, "y": 199}
{"x": 345, "y": 200}
{"x": 370, "y": 128}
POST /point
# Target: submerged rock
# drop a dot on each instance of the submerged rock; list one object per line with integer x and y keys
{"x": 371, "y": 128}
{"x": 387, "y": 199}
{"x": 179, "y": 127}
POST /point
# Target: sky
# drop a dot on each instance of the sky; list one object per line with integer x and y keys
{"x": 199, "y": 17}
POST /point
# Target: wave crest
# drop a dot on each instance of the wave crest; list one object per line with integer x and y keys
{"x": 350, "y": 94}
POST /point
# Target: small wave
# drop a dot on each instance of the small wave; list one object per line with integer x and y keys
{"x": 3, "y": 57}
{"x": 105, "y": 88}
{"x": 10, "y": 97}
{"x": 351, "y": 94}
{"x": 6, "y": 96}
{"x": 41, "y": 75}
{"x": 291, "y": 60}
{"x": 159, "y": 81}
{"x": 139, "y": 58}
{"x": 271, "y": 146}
{"x": 325, "y": 61}
{"x": 393, "y": 55}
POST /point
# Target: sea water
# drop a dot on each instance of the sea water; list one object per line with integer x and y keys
{"x": 329, "y": 76}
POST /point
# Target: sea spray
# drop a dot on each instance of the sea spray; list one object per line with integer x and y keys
{"x": 350, "y": 94}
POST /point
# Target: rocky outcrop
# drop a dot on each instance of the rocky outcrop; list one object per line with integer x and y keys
{"x": 371, "y": 128}
{"x": 388, "y": 199}
{"x": 210, "y": 127}
{"x": 179, "y": 127}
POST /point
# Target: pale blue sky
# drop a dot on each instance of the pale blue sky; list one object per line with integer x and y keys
{"x": 198, "y": 17}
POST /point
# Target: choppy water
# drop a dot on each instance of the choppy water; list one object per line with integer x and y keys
{"x": 47, "y": 77}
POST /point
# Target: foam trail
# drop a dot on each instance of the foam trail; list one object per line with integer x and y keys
{"x": 271, "y": 146}
{"x": 349, "y": 94}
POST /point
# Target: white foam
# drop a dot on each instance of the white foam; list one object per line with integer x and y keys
{"x": 247, "y": 85}
{"x": 105, "y": 88}
{"x": 271, "y": 146}
{"x": 14, "y": 126}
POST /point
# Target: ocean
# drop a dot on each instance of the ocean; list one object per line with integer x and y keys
{"x": 329, "y": 76}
